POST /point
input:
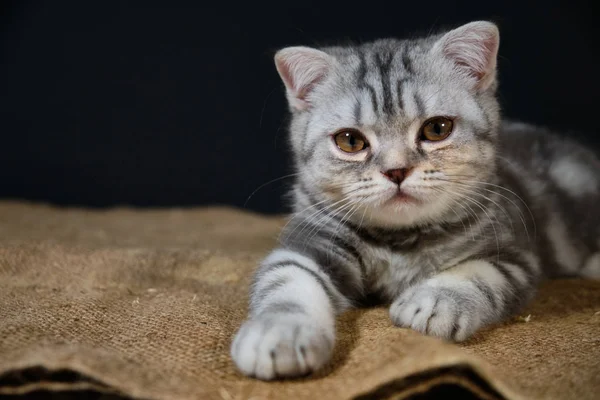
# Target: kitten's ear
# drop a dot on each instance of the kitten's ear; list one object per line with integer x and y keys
{"x": 300, "y": 69}
{"x": 473, "y": 48}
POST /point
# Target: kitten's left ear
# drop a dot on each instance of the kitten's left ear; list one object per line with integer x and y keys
{"x": 473, "y": 48}
{"x": 300, "y": 69}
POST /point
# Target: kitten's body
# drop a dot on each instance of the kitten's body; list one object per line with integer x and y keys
{"x": 460, "y": 241}
{"x": 561, "y": 180}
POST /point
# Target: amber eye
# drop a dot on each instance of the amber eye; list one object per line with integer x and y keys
{"x": 436, "y": 129}
{"x": 350, "y": 141}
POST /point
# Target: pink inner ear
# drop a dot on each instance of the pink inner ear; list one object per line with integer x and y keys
{"x": 300, "y": 70}
{"x": 474, "y": 52}
{"x": 286, "y": 76}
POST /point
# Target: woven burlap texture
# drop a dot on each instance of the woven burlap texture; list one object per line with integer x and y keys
{"x": 144, "y": 303}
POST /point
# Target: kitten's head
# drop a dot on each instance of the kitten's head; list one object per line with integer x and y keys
{"x": 394, "y": 132}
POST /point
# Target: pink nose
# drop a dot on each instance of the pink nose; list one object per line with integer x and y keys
{"x": 396, "y": 175}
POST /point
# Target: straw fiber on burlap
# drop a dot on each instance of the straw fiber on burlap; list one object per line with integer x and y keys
{"x": 143, "y": 304}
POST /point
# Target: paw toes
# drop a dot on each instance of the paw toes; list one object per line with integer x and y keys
{"x": 268, "y": 350}
{"x": 285, "y": 363}
{"x": 462, "y": 329}
{"x": 436, "y": 312}
{"x": 454, "y": 332}
{"x": 427, "y": 329}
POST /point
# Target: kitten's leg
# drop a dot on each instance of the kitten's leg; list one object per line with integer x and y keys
{"x": 458, "y": 301}
{"x": 291, "y": 328}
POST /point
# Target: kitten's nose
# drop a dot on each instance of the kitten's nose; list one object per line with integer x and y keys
{"x": 396, "y": 175}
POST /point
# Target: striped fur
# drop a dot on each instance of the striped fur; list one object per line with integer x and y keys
{"x": 499, "y": 206}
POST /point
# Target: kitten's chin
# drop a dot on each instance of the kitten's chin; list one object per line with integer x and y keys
{"x": 400, "y": 210}
{"x": 401, "y": 198}
{"x": 392, "y": 216}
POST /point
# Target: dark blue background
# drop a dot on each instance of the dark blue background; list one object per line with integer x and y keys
{"x": 179, "y": 104}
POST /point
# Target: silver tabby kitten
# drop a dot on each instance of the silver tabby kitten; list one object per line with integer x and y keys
{"x": 410, "y": 189}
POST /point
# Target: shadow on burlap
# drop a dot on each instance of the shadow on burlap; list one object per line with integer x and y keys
{"x": 143, "y": 304}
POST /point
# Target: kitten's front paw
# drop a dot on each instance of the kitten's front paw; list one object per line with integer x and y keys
{"x": 278, "y": 346}
{"x": 438, "y": 311}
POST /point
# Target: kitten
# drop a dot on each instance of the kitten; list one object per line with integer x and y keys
{"x": 411, "y": 189}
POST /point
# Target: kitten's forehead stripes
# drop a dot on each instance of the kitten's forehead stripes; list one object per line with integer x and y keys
{"x": 384, "y": 64}
{"x": 421, "y": 111}
{"x": 362, "y": 81}
{"x": 384, "y": 61}
{"x": 406, "y": 62}
{"x": 399, "y": 91}
{"x": 357, "y": 112}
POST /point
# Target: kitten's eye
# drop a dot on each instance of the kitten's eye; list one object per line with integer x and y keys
{"x": 436, "y": 129}
{"x": 350, "y": 141}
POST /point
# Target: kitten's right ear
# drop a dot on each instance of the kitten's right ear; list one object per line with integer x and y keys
{"x": 300, "y": 69}
{"x": 473, "y": 48}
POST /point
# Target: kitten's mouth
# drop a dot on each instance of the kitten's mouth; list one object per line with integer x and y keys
{"x": 400, "y": 196}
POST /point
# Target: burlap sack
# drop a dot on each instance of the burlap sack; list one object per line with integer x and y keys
{"x": 143, "y": 304}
